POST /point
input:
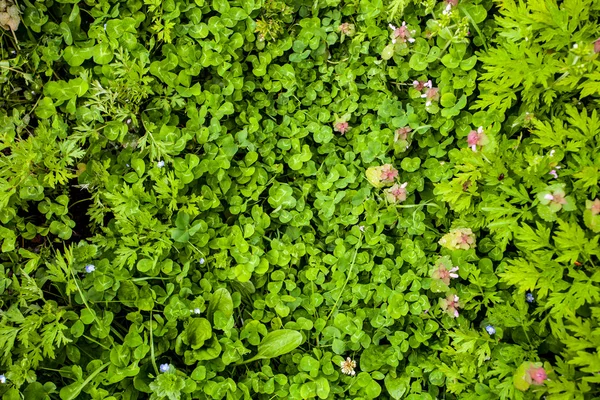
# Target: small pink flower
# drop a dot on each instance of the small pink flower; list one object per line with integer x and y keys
{"x": 450, "y": 305}
{"x": 538, "y": 375}
{"x": 553, "y": 173}
{"x": 401, "y": 34}
{"x": 341, "y": 127}
{"x": 431, "y": 94}
{"x": 466, "y": 239}
{"x": 476, "y": 138}
{"x": 460, "y": 238}
{"x": 594, "y": 207}
{"x": 557, "y": 198}
{"x": 396, "y": 193}
{"x": 402, "y": 133}
{"x": 420, "y": 85}
{"x": 449, "y": 5}
{"x": 347, "y": 29}
{"x": 388, "y": 173}
{"x": 444, "y": 274}
{"x": 382, "y": 175}
{"x": 597, "y": 46}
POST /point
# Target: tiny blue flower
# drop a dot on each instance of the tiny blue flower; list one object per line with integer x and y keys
{"x": 160, "y": 164}
{"x": 164, "y": 368}
{"x": 90, "y": 268}
{"x": 490, "y": 330}
{"x": 529, "y": 298}
{"x": 202, "y": 261}
{"x": 2, "y": 379}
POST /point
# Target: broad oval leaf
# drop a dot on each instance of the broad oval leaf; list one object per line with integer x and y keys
{"x": 278, "y": 343}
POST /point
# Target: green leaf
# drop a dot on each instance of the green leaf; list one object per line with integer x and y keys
{"x": 103, "y": 53}
{"x": 120, "y": 356}
{"x": 448, "y": 100}
{"x": 309, "y": 364}
{"x": 70, "y": 392}
{"x": 323, "y": 389}
{"x": 521, "y": 378}
{"x": 145, "y": 265}
{"x": 222, "y": 6}
{"x": 468, "y": 63}
{"x": 397, "y": 387}
{"x": 45, "y": 108}
{"x": 138, "y": 166}
{"x": 197, "y": 332}
{"x": 220, "y": 301}
{"x": 237, "y": 14}
{"x": 276, "y": 344}
{"x": 418, "y": 62}
{"x": 388, "y": 52}
{"x": 281, "y": 196}
{"x": 75, "y": 56}
{"x": 450, "y": 61}
{"x": 182, "y": 221}
{"x": 410, "y": 164}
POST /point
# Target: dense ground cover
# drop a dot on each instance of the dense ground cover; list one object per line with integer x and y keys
{"x": 299, "y": 199}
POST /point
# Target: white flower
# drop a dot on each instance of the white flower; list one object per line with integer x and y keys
{"x": 105, "y": 26}
{"x": 392, "y": 27}
{"x": 411, "y": 40}
{"x": 90, "y": 268}
{"x": 428, "y": 84}
{"x": 575, "y": 46}
{"x": 348, "y": 367}
{"x": 453, "y": 273}
{"x": 202, "y": 261}
{"x": 164, "y": 368}
{"x": 2, "y": 379}
{"x": 361, "y": 228}
{"x": 196, "y": 311}
{"x": 160, "y": 164}
{"x": 549, "y": 196}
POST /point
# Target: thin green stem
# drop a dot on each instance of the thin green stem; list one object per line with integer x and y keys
{"x": 152, "y": 345}
{"x": 347, "y": 278}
